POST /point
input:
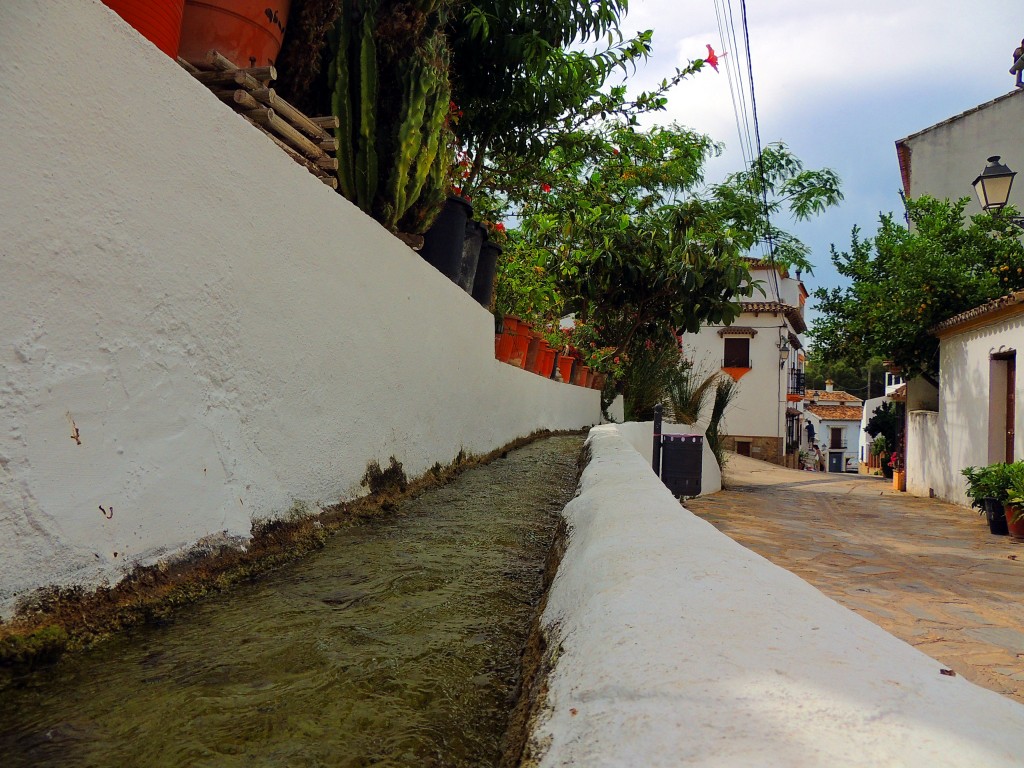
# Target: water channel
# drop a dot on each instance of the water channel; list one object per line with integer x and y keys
{"x": 396, "y": 645}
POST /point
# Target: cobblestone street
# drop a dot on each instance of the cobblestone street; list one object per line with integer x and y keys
{"x": 926, "y": 571}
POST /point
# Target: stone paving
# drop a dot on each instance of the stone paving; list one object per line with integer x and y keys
{"x": 926, "y": 571}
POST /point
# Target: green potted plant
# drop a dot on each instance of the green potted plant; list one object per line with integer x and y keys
{"x": 987, "y": 488}
{"x": 1014, "y": 505}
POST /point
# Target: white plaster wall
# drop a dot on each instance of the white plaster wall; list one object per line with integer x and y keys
{"x": 227, "y": 334}
{"x": 640, "y": 435}
{"x": 945, "y": 160}
{"x": 760, "y": 404}
{"x": 958, "y": 435}
{"x": 930, "y": 469}
{"x": 677, "y": 646}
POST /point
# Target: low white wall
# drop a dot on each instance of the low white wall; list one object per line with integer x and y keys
{"x": 640, "y": 435}
{"x": 930, "y": 471}
{"x": 226, "y": 334}
{"x": 677, "y": 646}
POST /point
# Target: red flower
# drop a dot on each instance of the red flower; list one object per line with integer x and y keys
{"x": 712, "y": 58}
{"x": 545, "y": 187}
{"x": 499, "y": 227}
{"x": 615, "y": 151}
{"x": 457, "y": 190}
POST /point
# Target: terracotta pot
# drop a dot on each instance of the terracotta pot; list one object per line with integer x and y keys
{"x": 247, "y": 32}
{"x": 599, "y": 380}
{"x": 159, "y": 21}
{"x": 899, "y": 480}
{"x": 579, "y": 375}
{"x": 532, "y": 352}
{"x": 520, "y": 348}
{"x": 1015, "y": 521}
{"x": 565, "y": 367}
{"x": 510, "y": 324}
{"x": 547, "y": 361}
{"x": 505, "y": 346}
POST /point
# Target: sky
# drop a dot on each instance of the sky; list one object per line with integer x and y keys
{"x": 839, "y": 83}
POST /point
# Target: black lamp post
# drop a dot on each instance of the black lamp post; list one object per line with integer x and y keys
{"x": 784, "y": 350}
{"x": 993, "y": 189}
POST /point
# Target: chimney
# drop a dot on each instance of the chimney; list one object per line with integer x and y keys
{"x": 828, "y": 385}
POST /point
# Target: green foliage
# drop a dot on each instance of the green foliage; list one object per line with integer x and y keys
{"x": 886, "y": 422}
{"x": 725, "y": 392}
{"x": 647, "y": 379}
{"x": 688, "y": 392}
{"x": 879, "y": 446}
{"x": 848, "y": 377}
{"x": 905, "y": 281}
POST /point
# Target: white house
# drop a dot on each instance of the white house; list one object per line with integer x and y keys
{"x": 893, "y": 382}
{"x": 943, "y": 160}
{"x": 762, "y": 352}
{"x": 976, "y": 419}
{"x": 833, "y": 419}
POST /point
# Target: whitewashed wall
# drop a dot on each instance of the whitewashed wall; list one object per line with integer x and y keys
{"x": 226, "y": 333}
{"x": 958, "y": 436}
{"x": 946, "y": 158}
{"x": 677, "y": 646}
{"x": 760, "y": 403}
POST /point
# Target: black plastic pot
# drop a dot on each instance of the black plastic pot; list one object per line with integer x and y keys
{"x": 471, "y": 243}
{"x": 996, "y": 516}
{"x": 443, "y": 242}
{"x": 483, "y": 283}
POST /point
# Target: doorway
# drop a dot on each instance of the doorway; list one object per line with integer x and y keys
{"x": 1002, "y": 411}
{"x": 743, "y": 447}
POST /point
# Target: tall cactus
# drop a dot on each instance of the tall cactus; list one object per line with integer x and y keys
{"x": 392, "y": 103}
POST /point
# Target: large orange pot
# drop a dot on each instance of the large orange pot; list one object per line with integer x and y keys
{"x": 580, "y": 374}
{"x": 565, "y": 367}
{"x": 1015, "y": 521}
{"x": 159, "y": 21}
{"x": 504, "y": 346}
{"x": 248, "y": 32}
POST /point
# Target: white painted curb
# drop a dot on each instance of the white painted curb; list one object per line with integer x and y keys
{"x": 673, "y": 645}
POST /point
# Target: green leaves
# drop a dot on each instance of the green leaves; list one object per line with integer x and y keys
{"x": 905, "y": 281}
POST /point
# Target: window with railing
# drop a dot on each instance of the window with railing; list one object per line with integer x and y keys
{"x": 737, "y": 353}
{"x": 797, "y": 382}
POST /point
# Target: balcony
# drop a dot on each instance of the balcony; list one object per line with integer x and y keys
{"x": 796, "y": 383}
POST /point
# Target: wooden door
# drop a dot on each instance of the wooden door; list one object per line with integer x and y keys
{"x": 1011, "y": 389}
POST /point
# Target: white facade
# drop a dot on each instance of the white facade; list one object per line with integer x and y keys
{"x": 196, "y": 332}
{"x": 944, "y": 159}
{"x": 969, "y": 427}
{"x": 757, "y": 419}
{"x": 833, "y": 425}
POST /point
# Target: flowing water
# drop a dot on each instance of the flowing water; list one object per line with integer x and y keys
{"x": 396, "y": 645}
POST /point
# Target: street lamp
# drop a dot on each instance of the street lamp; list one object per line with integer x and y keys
{"x": 784, "y": 350}
{"x": 993, "y": 189}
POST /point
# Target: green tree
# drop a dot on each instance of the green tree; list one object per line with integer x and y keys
{"x": 905, "y": 281}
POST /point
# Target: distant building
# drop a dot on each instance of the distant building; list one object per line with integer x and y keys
{"x": 763, "y": 352}
{"x": 833, "y": 419}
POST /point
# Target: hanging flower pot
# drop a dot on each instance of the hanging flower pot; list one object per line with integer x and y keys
{"x": 249, "y": 33}
{"x": 159, "y": 21}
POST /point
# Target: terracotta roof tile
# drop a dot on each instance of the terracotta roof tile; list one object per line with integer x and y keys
{"x": 837, "y": 412}
{"x": 791, "y": 313}
{"x": 989, "y": 307}
{"x": 837, "y": 396}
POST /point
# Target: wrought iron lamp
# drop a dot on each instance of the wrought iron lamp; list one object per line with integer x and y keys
{"x": 784, "y": 350}
{"x": 993, "y": 189}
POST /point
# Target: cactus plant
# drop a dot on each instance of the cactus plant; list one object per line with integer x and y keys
{"x": 392, "y": 105}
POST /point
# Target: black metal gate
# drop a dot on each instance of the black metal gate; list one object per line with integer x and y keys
{"x": 678, "y": 459}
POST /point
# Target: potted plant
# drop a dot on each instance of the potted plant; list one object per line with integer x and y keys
{"x": 987, "y": 488}
{"x": 1014, "y": 506}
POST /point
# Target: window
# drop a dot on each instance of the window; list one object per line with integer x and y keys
{"x": 737, "y": 352}
{"x": 838, "y": 439}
